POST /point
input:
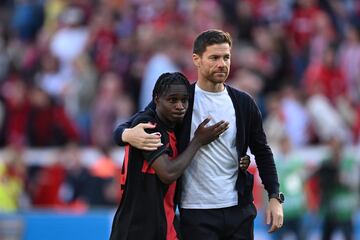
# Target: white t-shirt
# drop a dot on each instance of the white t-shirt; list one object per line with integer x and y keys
{"x": 209, "y": 180}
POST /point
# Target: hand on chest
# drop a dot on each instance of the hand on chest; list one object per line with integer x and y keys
{"x": 219, "y": 108}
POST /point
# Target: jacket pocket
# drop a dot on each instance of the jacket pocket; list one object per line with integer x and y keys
{"x": 249, "y": 184}
{"x": 244, "y": 186}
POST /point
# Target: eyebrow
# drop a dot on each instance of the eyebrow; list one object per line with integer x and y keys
{"x": 220, "y": 55}
{"x": 175, "y": 94}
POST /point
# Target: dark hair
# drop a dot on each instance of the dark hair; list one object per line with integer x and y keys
{"x": 208, "y": 38}
{"x": 163, "y": 83}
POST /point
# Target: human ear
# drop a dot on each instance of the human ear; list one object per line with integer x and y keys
{"x": 156, "y": 100}
{"x": 196, "y": 59}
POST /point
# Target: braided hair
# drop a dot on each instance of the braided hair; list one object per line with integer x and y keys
{"x": 163, "y": 83}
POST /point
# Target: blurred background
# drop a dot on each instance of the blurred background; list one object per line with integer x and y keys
{"x": 71, "y": 70}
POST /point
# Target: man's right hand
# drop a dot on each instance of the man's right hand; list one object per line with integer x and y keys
{"x": 137, "y": 137}
{"x": 206, "y": 135}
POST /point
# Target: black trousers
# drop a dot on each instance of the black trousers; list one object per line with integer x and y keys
{"x": 231, "y": 223}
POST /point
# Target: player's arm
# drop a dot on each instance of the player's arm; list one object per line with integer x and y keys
{"x": 267, "y": 170}
{"x": 170, "y": 170}
{"x": 263, "y": 154}
{"x": 119, "y": 130}
{"x": 136, "y": 136}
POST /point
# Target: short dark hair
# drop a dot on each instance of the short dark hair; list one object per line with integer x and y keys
{"x": 163, "y": 83}
{"x": 208, "y": 38}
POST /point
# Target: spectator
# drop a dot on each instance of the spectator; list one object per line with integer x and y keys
{"x": 297, "y": 120}
{"x": 326, "y": 120}
{"x": 274, "y": 123}
{"x": 28, "y": 19}
{"x": 76, "y": 186}
{"x": 292, "y": 170}
{"x": 323, "y": 35}
{"x": 103, "y": 39}
{"x": 349, "y": 58}
{"x": 12, "y": 181}
{"x": 17, "y": 109}
{"x": 82, "y": 93}
{"x": 300, "y": 30}
{"x": 112, "y": 104}
{"x": 104, "y": 180}
{"x": 45, "y": 182}
{"x": 338, "y": 179}
{"x": 163, "y": 60}
{"x": 250, "y": 82}
{"x": 70, "y": 40}
{"x": 4, "y": 54}
{"x": 326, "y": 77}
{"x": 50, "y": 78}
{"x": 47, "y": 122}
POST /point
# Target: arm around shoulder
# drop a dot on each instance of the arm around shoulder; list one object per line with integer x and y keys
{"x": 118, "y": 132}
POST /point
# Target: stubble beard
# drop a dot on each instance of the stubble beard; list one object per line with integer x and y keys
{"x": 217, "y": 79}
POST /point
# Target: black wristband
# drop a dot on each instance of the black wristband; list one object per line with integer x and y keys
{"x": 279, "y": 196}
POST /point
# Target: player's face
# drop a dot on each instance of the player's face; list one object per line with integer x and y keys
{"x": 214, "y": 64}
{"x": 171, "y": 106}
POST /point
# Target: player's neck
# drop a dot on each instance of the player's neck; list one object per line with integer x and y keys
{"x": 164, "y": 122}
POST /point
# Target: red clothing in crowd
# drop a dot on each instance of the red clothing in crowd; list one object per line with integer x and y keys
{"x": 47, "y": 185}
{"x": 16, "y": 110}
{"x": 301, "y": 26}
{"x": 50, "y": 126}
{"x": 15, "y": 123}
{"x": 329, "y": 81}
{"x": 104, "y": 44}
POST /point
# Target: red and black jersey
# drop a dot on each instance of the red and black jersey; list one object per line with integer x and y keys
{"x": 147, "y": 209}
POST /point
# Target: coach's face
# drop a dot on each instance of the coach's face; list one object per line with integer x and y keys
{"x": 214, "y": 64}
{"x": 171, "y": 106}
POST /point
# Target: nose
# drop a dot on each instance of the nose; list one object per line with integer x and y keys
{"x": 179, "y": 105}
{"x": 221, "y": 62}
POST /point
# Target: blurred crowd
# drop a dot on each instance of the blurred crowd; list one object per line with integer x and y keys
{"x": 70, "y": 70}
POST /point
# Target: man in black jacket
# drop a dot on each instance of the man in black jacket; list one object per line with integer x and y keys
{"x": 216, "y": 200}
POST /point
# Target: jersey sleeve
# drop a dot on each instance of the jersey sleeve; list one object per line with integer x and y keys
{"x": 151, "y": 156}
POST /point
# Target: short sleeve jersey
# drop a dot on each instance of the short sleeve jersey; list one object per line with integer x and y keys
{"x": 147, "y": 209}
